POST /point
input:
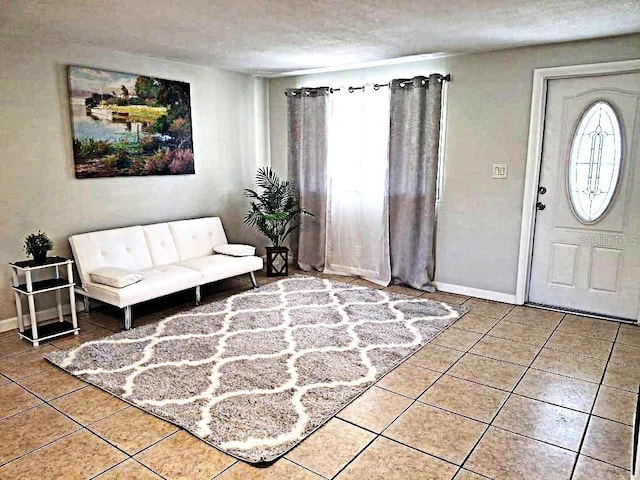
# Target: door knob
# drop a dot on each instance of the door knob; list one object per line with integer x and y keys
{"x": 542, "y": 190}
{"x": 540, "y": 206}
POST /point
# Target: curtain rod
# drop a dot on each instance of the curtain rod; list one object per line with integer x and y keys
{"x": 376, "y": 86}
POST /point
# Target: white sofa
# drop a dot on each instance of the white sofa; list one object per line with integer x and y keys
{"x": 172, "y": 256}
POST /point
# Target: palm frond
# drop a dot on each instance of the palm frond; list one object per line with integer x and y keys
{"x": 274, "y": 207}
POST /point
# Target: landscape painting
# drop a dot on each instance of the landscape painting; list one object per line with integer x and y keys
{"x": 129, "y": 125}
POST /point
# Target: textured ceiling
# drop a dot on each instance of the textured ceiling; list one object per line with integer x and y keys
{"x": 271, "y": 37}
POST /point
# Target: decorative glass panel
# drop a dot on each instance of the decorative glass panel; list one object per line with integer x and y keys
{"x": 594, "y": 165}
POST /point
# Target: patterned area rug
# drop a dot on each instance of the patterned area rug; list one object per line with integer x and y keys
{"x": 255, "y": 374}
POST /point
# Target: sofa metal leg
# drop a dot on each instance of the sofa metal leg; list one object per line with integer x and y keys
{"x": 198, "y": 295}
{"x": 127, "y": 318}
{"x": 254, "y": 283}
{"x": 87, "y": 303}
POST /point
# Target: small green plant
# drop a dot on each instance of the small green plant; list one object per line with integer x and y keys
{"x": 37, "y": 244}
{"x": 275, "y": 208}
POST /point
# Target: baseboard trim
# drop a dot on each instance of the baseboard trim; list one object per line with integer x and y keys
{"x": 476, "y": 292}
{"x": 42, "y": 315}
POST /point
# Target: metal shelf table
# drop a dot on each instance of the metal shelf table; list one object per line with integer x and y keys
{"x": 30, "y": 288}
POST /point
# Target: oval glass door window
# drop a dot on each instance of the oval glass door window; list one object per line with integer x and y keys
{"x": 595, "y": 162}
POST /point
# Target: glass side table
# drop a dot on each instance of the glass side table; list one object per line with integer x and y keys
{"x": 25, "y": 285}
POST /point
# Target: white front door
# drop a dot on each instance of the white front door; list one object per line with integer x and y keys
{"x": 586, "y": 250}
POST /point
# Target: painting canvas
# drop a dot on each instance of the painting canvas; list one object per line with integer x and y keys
{"x": 129, "y": 125}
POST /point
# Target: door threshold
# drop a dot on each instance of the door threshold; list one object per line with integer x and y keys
{"x": 580, "y": 313}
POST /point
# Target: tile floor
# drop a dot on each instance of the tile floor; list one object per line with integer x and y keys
{"x": 506, "y": 392}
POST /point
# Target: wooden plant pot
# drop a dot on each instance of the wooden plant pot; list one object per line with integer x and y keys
{"x": 277, "y": 261}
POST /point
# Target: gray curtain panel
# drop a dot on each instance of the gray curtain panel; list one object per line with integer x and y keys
{"x": 307, "y": 164}
{"x": 416, "y": 106}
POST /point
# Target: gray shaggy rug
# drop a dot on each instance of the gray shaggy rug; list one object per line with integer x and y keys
{"x": 255, "y": 374}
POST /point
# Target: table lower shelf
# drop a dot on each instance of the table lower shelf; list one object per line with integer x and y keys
{"x": 49, "y": 330}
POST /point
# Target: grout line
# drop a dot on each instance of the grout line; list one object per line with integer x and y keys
{"x": 593, "y": 406}
{"x": 40, "y": 447}
{"x": 228, "y": 467}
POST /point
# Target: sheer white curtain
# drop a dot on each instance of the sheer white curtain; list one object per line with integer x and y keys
{"x": 358, "y": 208}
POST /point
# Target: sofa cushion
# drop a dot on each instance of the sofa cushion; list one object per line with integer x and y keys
{"x": 120, "y": 247}
{"x": 158, "y": 281}
{"x": 115, "y": 277}
{"x": 217, "y": 267}
{"x": 235, "y": 250}
{"x": 196, "y": 238}
{"x": 161, "y": 245}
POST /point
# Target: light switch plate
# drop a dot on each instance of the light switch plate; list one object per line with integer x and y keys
{"x": 499, "y": 170}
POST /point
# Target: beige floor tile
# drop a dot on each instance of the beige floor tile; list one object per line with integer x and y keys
{"x": 366, "y": 283}
{"x": 520, "y": 333}
{"x": 505, "y": 455}
{"x": 434, "y": 431}
{"x": 88, "y": 405}
{"x": 12, "y": 345}
{"x": 77, "y": 456}
{"x": 467, "y": 475}
{"x": 31, "y": 429}
{"x": 183, "y": 456}
{"x": 588, "y": 327}
{"x": 404, "y": 290}
{"x": 542, "y": 421}
{"x": 579, "y": 345}
{"x": 629, "y": 334}
{"x": 376, "y": 409}
{"x": 408, "y": 380}
{"x": 71, "y": 341}
{"x": 557, "y": 389}
{"x": 388, "y": 460}
{"x": 129, "y": 470}
{"x": 105, "y": 320}
{"x": 487, "y": 371}
{"x": 622, "y": 376}
{"x": 476, "y": 323}
{"x": 535, "y": 317}
{"x": 8, "y": 334}
{"x": 590, "y": 469}
{"x": 26, "y": 363}
{"x": 626, "y": 354}
{"x": 132, "y": 429}
{"x": 457, "y": 339}
{"x": 445, "y": 297}
{"x": 435, "y": 357}
{"x": 331, "y": 447}
{"x": 616, "y": 404}
{"x": 280, "y": 470}
{"x": 466, "y": 398}
{"x": 608, "y": 441}
{"x": 576, "y": 366}
{"x": 51, "y": 383}
{"x": 507, "y": 350}
{"x": 488, "y": 308}
{"x": 15, "y": 399}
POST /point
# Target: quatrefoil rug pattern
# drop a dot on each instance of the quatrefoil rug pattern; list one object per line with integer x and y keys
{"x": 255, "y": 374}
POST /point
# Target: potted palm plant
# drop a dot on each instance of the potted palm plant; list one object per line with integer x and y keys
{"x": 275, "y": 212}
{"x": 37, "y": 245}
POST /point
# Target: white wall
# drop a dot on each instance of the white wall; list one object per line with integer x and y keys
{"x": 489, "y": 101}
{"x": 38, "y": 189}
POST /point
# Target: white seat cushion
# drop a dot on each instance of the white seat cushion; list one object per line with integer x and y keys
{"x": 217, "y": 267}
{"x": 158, "y": 281}
{"x": 115, "y": 277}
{"x": 235, "y": 250}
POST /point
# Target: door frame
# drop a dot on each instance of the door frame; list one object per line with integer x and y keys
{"x": 541, "y": 76}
